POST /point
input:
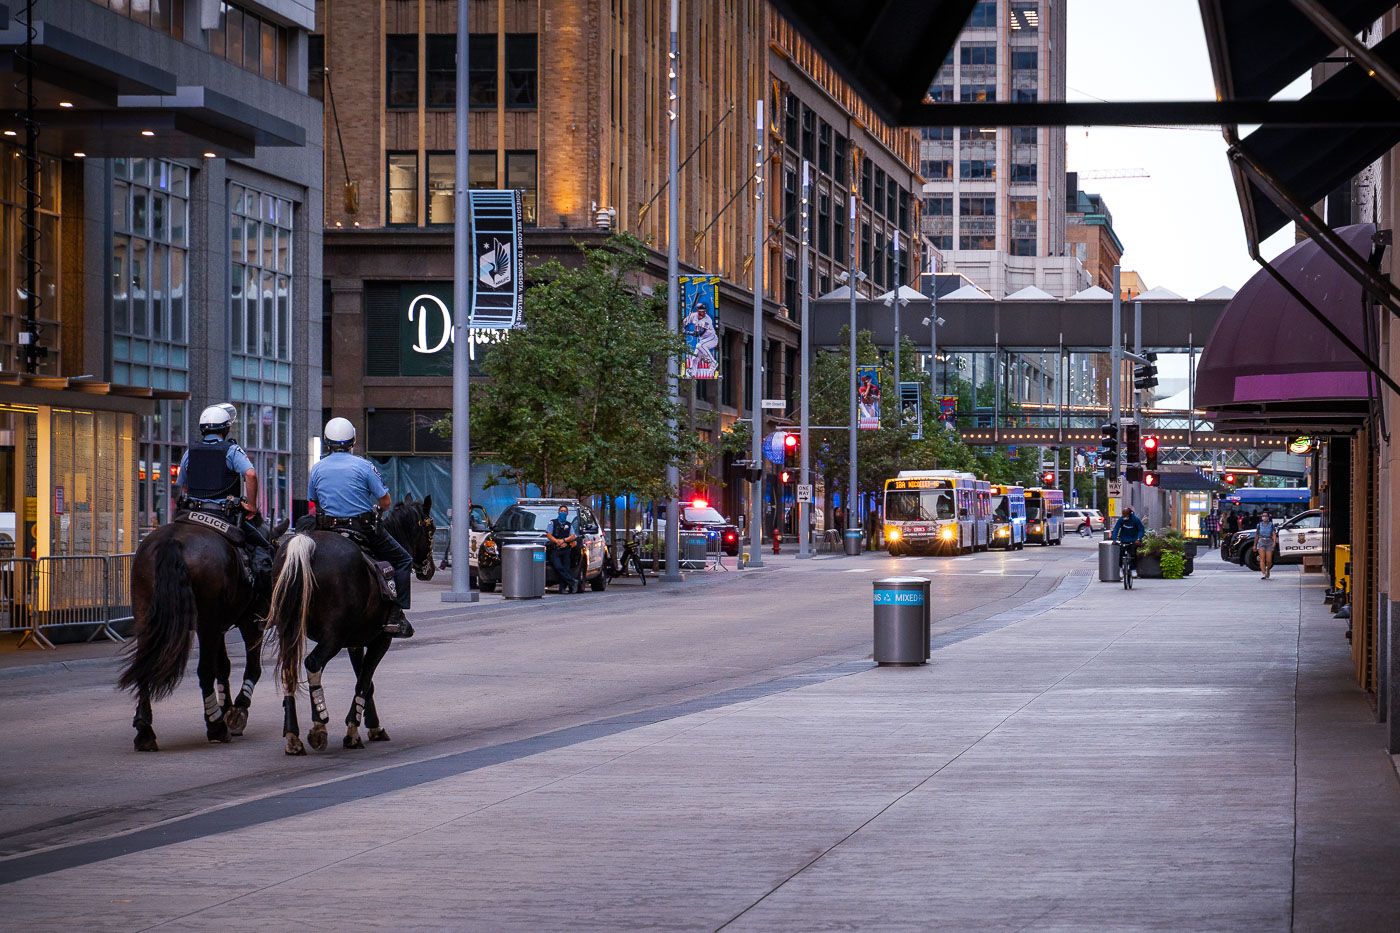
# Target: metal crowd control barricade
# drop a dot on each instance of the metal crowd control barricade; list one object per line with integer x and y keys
{"x": 76, "y": 590}
{"x": 17, "y": 585}
{"x": 714, "y": 551}
{"x": 694, "y": 547}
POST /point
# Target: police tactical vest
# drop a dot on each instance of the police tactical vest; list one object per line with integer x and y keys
{"x": 207, "y": 475}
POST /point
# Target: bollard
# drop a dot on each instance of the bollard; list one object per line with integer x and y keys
{"x": 902, "y": 621}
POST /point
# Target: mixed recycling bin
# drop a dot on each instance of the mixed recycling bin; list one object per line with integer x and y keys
{"x": 902, "y": 621}
{"x": 522, "y": 571}
{"x": 853, "y": 541}
{"x": 1109, "y": 554}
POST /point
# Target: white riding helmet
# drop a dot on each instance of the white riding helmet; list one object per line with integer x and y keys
{"x": 339, "y": 432}
{"x": 217, "y": 418}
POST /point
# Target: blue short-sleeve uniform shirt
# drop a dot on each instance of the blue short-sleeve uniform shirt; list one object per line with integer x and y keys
{"x": 236, "y": 460}
{"x": 343, "y": 485}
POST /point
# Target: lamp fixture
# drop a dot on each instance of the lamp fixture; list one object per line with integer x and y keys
{"x": 148, "y": 132}
{"x": 11, "y": 133}
{"x": 211, "y": 155}
{"x": 80, "y": 155}
{"x": 66, "y": 104}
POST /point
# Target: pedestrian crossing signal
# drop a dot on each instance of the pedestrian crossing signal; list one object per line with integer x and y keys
{"x": 1150, "y": 479}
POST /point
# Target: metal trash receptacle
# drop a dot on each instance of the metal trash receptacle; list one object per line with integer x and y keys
{"x": 522, "y": 571}
{"x": 853, "y": 542}
{"x": 1109, "y": 571}
{"x": 902, "y": 622}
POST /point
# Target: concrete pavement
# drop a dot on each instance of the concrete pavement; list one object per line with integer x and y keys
{"x": 1190, "y": 755}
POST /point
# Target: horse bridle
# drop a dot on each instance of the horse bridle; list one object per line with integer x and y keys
{"x": 426, "y": 564}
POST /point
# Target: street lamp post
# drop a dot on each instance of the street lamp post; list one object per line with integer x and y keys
{"x": 673, "y": 570}
{"x": 460, "y": 535}
{"x": 756, "y": 446}
{"x": 852, "y": 528}
{"x": 804, "y": 533}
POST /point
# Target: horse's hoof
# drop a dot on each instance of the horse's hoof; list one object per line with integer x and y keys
{"x": 316, "y": 738}
{"x": 237, "y": 720}
{"x": 294, "y": 746}
{"x": 353, "y": 741}
{"x": 219, "y": 732}
{"x": 146, "y": 742}
{"x": 378, "y": 735}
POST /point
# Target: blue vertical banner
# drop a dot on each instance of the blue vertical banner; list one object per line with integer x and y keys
{"x": 700, "y": 326}
{"x": 911, "y": 408}
{"x": 498, "y": 286}
{"x": 868, "y": 397}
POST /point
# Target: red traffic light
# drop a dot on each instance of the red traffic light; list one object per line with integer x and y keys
{"x": 1149, "y": 443}
{"x": 785, "y": 476}
{"x": 1048, "y": 477}
{"x": 1230, "y": 478}
{"x": 790, "y": 441}
{"x": 1150, "y": 479}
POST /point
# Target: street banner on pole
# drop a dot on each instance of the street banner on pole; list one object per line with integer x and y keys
{"x": 911, "y": 407}
{"x": 947, "y": 407}
{"x": 868, "y": 397}
{"x": 498, "y": 286}
{"x": 700, "y": 326}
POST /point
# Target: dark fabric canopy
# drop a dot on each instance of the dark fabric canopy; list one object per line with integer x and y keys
{"x": 1269, "y": 361}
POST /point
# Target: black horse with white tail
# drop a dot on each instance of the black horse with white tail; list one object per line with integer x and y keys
{"x": 186, "y": 580}
{"x": 326, "y": 589}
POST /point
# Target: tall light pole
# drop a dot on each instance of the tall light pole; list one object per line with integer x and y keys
{"x": 756, "y": 445}
{"x": 897, "y": 375}
{"x": 804, "y": 533}
{"x": 673, "y": 569}
{"x": 460, "y": 537}
{"x": 852, "y": 526}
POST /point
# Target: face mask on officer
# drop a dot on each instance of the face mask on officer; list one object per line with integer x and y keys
{"x": 563, "y": 515}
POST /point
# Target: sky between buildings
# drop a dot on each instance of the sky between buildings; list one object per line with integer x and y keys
{"x": 1181, "y": 227}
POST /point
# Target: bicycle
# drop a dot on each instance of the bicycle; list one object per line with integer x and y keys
{"x": 631, "y": 554}
{"x": 1125, "y": 563}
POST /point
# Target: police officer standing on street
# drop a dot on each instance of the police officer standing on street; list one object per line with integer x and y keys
{"x": 345, "y": 486}
{"x": 217, "y": 471}
{"x": 561, "y": 552}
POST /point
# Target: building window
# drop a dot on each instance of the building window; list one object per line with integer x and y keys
{"x": 938, "y": 206}
{"x": 522, "y": 71}
{"x": 521, "y": 172}
{"x": 838, "y": 164}
{"x": 977, "y": 222}
{"x": 240, "y": 37}
{"x": 150, "y": 334}
{"x": 316, "y": 67}
{"x": 726, "y": 370}
{"x": 936, "y": 169}
{"x": 790, "y": 297}
{"x": 866, "y": 180}
{"x": 260, "y": 364}
{"x": 327, "y": 330}
{"x": 390, "y": 431}
{"x": 984, "y": 15}
{"x": 809, "y": 134}
{"x": 879, "y": 266}
{"x": 481, "y": 68}
{"x": 13, "y": 309}
{"x": 903, "y": 210}
{"x": 167, "y": 16}
{"x": 937, "y": 133}
{"x": 1025, "y": 95}
{"x": 892, "y": 193}
{"x": 790, "y": 201}
{"x": 978, "y": 93}
{"x": 865, "y": 256}
{"x": 942, "y": 242}
{"x": 1023, "y": 226}
{"x": 978, "y": 53}
{"x": 792, "y": 107}
{"x": 824, "y": 148}
{"x": 441, "y": 84}
{"x": 481, "y": 169}
{"x": 1025, "y": 59}
{"x": 1025, "y": 16}
{"x": 838, "y": 233}
{"x": 978, "y": 206}
{"x": 1022, "y": 174}
{"x": 401, "y": 72}
{"x": 823, "y": 243}
{"x": 977, "y": 169}
{"x": 941, "y": 92}
{"x": 877, "y": 200}
{"x": 1024, "y": 135}
{"x": 442, "y": 180}
{"x": 403, "y": 188}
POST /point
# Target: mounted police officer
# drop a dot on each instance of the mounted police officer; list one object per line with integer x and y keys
{"x": 216, "y": 475}
{"x": 345, "y": 486}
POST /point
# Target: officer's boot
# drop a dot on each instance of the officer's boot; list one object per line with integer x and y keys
{"x": 397, "y": 624}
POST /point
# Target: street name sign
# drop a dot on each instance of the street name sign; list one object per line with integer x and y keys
{"x": 775, "y": 404}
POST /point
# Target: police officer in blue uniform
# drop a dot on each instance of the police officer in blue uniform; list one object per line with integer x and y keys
{"x": 562, "y": 542}
{"x": 349, "y": 487}
{"x": 216, "y": 472}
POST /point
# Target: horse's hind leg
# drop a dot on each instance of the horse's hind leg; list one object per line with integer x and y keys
{"x": 209, "y": 651}
{"x": 221, "y": 680}
{"x": 357, "y": 705}
{"x": 315, "y": 665}
{"x": 365, "y": 686}
{"x": 291, "y": 729}
{"x": 252, "y": 670}
{"x": 145, "y": 735}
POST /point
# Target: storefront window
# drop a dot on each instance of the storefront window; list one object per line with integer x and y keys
{"x": 13, "y": 306}
{"x": 260, "y": 301}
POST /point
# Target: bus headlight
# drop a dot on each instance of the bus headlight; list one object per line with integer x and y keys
{"x": 891, "y": 533}
{"x": 947, "y": 533}
{"x": 1003, "y": 531}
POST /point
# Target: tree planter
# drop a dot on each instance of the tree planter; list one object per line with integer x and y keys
{"x": 1149, "y": 567}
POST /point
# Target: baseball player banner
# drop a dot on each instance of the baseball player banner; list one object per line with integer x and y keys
{"x": 700, "y": 326}
{"x": 868, "y": 397}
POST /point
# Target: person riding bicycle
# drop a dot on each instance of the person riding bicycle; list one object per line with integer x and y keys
{"x": 345, "y": 486}
{"x": 217, "y": 474}
{"x": 1128, "y": 531}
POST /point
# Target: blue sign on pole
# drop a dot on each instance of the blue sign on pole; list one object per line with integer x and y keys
{"x": 773, "y": 448}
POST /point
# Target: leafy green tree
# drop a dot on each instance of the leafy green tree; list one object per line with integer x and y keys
{"x": 576, "y": 400}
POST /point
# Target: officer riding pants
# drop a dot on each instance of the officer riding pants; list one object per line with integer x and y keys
{"x": 383, "y": 546}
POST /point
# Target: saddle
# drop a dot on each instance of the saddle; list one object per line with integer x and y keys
{"x": 355, "y": 528}
{"x": 223, "y": 518}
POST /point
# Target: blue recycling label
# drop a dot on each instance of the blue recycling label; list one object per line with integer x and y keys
{"x": 899, "y": 598}
{"x": 539, "y": 556}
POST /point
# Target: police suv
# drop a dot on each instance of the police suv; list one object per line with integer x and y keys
{"x": 1294, "y": 539}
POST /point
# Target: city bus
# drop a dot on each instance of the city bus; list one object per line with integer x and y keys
{"x": 933, "y": 511}
{"x": 1045, "y": 515}
{"x": 1008, "y": 517}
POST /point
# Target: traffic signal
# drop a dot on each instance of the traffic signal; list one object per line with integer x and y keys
{"x": 1150, "y": 478}
{"x": 1048, "y": 477}
{"x": 752, "y": 471}
{"x": 1133, "y": 472}
{"x": 1132, "y": 443}
{"x": 790, "y": 444}
{"x": 1108, "y": 443}
{"x": 1150, "y": 443}
{"x": 1229, "y": 479}
{"x": 1145, "y": 374}
{"x": 785, "y": 476}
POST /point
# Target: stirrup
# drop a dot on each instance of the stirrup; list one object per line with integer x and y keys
{"x": 397, "y": 625}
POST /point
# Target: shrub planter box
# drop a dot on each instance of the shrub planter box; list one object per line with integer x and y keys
{"x": 1149, "y": 567}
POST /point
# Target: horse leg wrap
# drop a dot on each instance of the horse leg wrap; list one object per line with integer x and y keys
{"x": 221, "y": 694}
{"x": 357, "y": 711}
{"x": 289, "y": 715}
{"x": 245, "y": 696}
{"x": 213, "y": 709}
{"x": 318, "y": 698}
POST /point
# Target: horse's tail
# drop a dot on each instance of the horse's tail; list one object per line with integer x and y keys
{"x": 157, "y": 660}
{"x": 291, "y": 601}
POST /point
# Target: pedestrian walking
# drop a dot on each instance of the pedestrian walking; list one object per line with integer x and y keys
{"x": 1212, "y": 527}
{"x": 1232, "y": 522}
{"x": 1264, "y": 544}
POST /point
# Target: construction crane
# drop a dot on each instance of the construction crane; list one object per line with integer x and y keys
{"x": 1101, "y": 173}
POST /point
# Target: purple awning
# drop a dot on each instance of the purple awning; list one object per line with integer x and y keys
{"x": 1269, "y": 360}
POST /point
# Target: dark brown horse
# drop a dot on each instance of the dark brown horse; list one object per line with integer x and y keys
{"x": 187, "y": 580}
{"x": 323, "y": 589}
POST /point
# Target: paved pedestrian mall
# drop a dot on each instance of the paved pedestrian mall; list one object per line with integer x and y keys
{"x": 1190, "y": 755}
